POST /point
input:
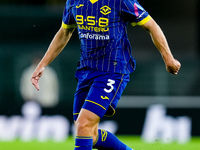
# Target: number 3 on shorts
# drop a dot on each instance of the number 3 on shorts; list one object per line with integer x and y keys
{"x": 110, "y": 84}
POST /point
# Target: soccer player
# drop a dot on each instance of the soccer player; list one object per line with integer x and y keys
{"x": 105, "y": 63}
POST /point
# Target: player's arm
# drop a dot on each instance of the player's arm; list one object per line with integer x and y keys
{"x": 58, "y": 43}
{"x": 159, "y": 40}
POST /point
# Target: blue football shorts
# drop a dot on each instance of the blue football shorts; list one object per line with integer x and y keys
{"x": 98, "y": 91}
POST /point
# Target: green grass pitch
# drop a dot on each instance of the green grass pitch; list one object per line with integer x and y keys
{"x": 132, "y": 141}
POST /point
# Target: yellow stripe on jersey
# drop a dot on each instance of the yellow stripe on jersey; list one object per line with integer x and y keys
{"x": 66, "y": 26}
{"x": 96, "y": 104}
{"x": 142, "y": 22}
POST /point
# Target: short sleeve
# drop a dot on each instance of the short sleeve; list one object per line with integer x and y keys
{"x": 68, "y": 20}
{"x": 134, "y": 12}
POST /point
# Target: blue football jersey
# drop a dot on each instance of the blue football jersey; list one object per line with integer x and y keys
{"x": 102, "y": 29}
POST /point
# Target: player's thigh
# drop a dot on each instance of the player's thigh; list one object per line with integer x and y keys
{"x": 104, "y": 92}
{"x": 87, "y": 123}
{"x": 86, "y": 116}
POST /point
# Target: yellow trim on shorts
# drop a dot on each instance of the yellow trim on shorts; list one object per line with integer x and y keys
{"x": 96, "y": 104}
{"x": 142, "y": 22}
{"x": 66, "y": 26}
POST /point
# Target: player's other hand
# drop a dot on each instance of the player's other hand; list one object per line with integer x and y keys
{"x": 36, "y": 76}
{"x": 173, "y": 66}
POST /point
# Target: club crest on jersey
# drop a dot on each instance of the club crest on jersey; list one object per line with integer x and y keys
{"x": 78, "y": 6}
{"x": 105, "y": 10}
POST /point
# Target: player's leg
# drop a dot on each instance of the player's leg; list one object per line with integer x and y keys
{"x": 105, "y": 91}
{"x": 105, "y": 139}
{"x": 108, "y": 90}
{"x": 86, "y": 122}
{"x": 86, "y": 130}
{"x": 108, "y": 141}
{"x": 87, "y": 134}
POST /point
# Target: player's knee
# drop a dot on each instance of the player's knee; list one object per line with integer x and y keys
{"x": 83, "y": 127}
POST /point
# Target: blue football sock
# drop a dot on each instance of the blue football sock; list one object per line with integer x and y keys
{"x": 108, "y": 141}
{"x": 83, "y": 143}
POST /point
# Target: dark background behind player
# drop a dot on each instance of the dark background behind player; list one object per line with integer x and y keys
{"x": 27, "y": 27}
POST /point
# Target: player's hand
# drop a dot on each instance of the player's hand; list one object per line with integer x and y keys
{"x": 36, "y": 76}
{"x": 173, "y": 66}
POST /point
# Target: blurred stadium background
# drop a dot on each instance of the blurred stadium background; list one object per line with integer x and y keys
{"x": 155, "y": 105}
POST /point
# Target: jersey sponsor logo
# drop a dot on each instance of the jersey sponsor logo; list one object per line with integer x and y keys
{"x": 92, "y": 23}
{"x": 92, "y": 20}
{"x": 78, "y": 6}
{"x": 105, "y": 97}
{"x": 105, "y": 10}
{"x": 94, "y": 36}
{"x": 91, "y": 28}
